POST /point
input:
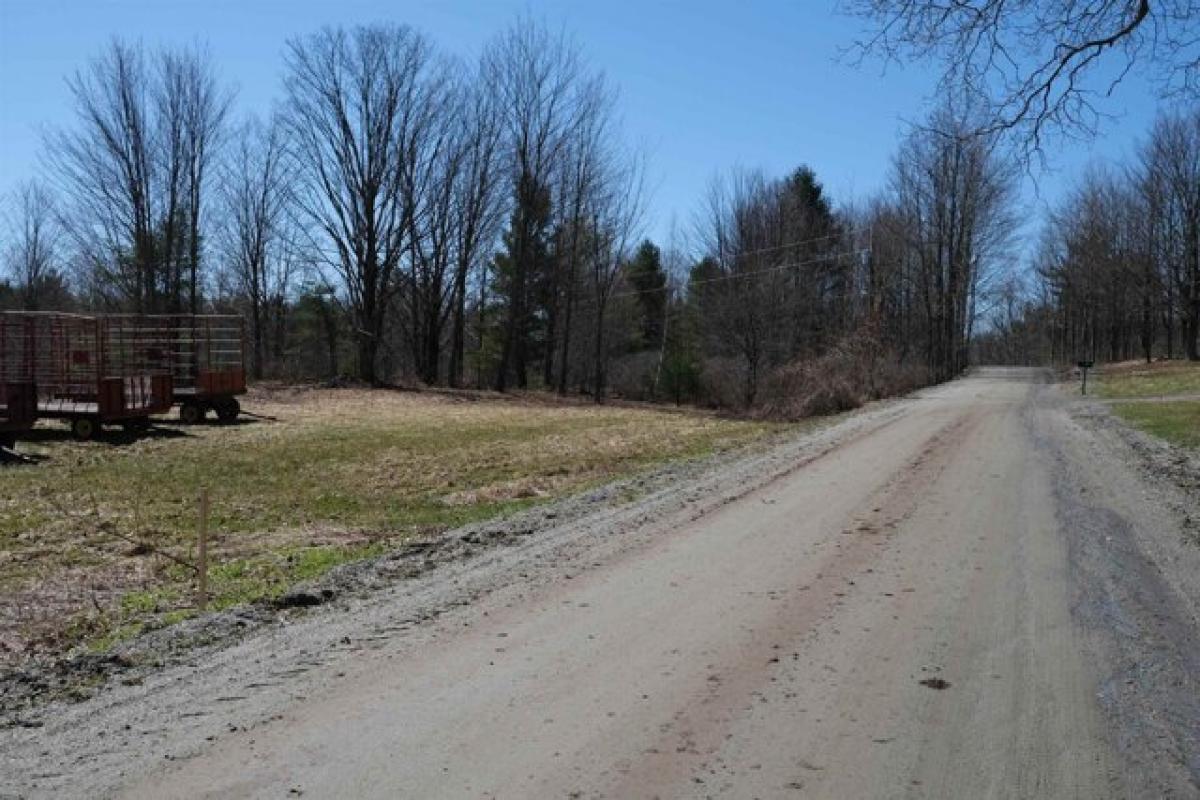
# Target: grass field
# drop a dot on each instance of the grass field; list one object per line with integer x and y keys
{"x": 1159, "y": 379}
{"x": 88, "y": 535}
{"x": 1169, "y": 392}
{"x": 1176, "y": 421}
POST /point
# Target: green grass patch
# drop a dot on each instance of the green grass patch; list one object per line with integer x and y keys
{"x": 1177, "y": 422}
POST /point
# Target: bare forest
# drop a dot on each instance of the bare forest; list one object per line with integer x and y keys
{"x": 1116, "y": 274}
{"x": 403, "y": 216}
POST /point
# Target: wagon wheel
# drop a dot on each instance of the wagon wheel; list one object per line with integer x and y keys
{"x": 83, "y": 428}
{"x": 191, "y": 413}
{"x": 228, "y": 410}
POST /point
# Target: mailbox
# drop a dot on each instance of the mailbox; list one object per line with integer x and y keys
{"x": 1084, "y": 366}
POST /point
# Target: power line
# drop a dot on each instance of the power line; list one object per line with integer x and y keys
{"x": 799, "y": 243}
{"x": 584, "y": 301}
{"x": 751, "y": 274}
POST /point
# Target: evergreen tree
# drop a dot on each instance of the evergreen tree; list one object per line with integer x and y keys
{"x": 520, "y": 272}
{"x": 645, "y": 274}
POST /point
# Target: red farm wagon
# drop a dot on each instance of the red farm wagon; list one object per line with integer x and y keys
{"x": 203, "y": 353}
{"x": 18, "y": 394}
{"x": 89, "y": 372}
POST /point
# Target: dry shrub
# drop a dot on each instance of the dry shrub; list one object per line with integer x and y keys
{"x": 632, "y": 376}
{"x": 723, "y": 382}
{"x": 856, "y": 369}
{"x": 894, "y": 377}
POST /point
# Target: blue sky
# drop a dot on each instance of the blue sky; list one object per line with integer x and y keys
{"x": 705, "y": 86}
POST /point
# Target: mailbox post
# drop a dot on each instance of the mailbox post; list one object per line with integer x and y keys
{"x": 1084, "y": 366}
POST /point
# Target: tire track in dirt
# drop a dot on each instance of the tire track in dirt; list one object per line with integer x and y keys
{"x": 691, "y": 740}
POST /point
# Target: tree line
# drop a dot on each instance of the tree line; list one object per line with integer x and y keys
{"x": 1116, "y": 274}
{"x": 406, "y": 215}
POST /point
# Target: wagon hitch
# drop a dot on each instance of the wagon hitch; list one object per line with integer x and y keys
{"x": 11, "y": 456}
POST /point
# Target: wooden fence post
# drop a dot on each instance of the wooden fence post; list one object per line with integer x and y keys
{"x": 202, "y": 560}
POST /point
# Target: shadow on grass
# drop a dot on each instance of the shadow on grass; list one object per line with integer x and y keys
{"x": 114, "y": 435}
{"x": 180, "y": 426}
{"x": 119, "y": 437}
{"x": 16, "y": 458}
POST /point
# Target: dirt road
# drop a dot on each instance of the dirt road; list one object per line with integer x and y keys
{"x": 970, "y": 593}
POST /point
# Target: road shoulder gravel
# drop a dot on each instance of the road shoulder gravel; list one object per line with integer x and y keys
{"x": 1130, "y": 508}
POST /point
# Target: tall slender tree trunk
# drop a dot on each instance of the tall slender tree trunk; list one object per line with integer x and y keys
{"x": 458, "y": 323}
{"x": 194, "y": 249}
{"x": 551, "y": 342}
{"x": 599, "y": 367}
{"x": 1147, "y": 327}
{"x": 366, "y": 358}
{"x": 564, "y": 360}
{"x": 433, "y": 350}
{"x": 256, "y": 317}
{"x": 510, "y": 353}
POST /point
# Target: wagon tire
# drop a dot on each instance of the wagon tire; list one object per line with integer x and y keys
{"x": 83, "y": 428}
{"x": 228, "y": 410}
{"x": 191, "y": 413}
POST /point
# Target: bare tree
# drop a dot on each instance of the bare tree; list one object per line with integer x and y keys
{"x": 1171, "y": 165}
{"x": 455, "y": 186}
{"x": 579, "y": 178}
{"x": 134, "y": 172}
{"x": 954, "y": 192}
{"x": 535, "y": 75}
{"x": 199, "y": 117}
{"x": 1086, "y": 260}
{"x": 360, "y": 111}
{"x": 739, "y": 290}
{"x": 34, "y": 255}
{"x": 477, "y": 208}
{"x": 1039, "y": 66}
{"x": 107, "y": 170}
{"x": 1119, "y": 262}
{"x": 774, "y": 285}
{"x": 616, "y": 209}
{"x": 256, "y": 182}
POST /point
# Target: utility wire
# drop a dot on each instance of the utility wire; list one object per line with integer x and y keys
{"x": 589, "y": 299}
{"x": 799, "y": 243}
{"x": 750, "y": 274}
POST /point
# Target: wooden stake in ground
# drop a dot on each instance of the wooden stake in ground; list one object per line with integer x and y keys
{"x": 202, "y": 555}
